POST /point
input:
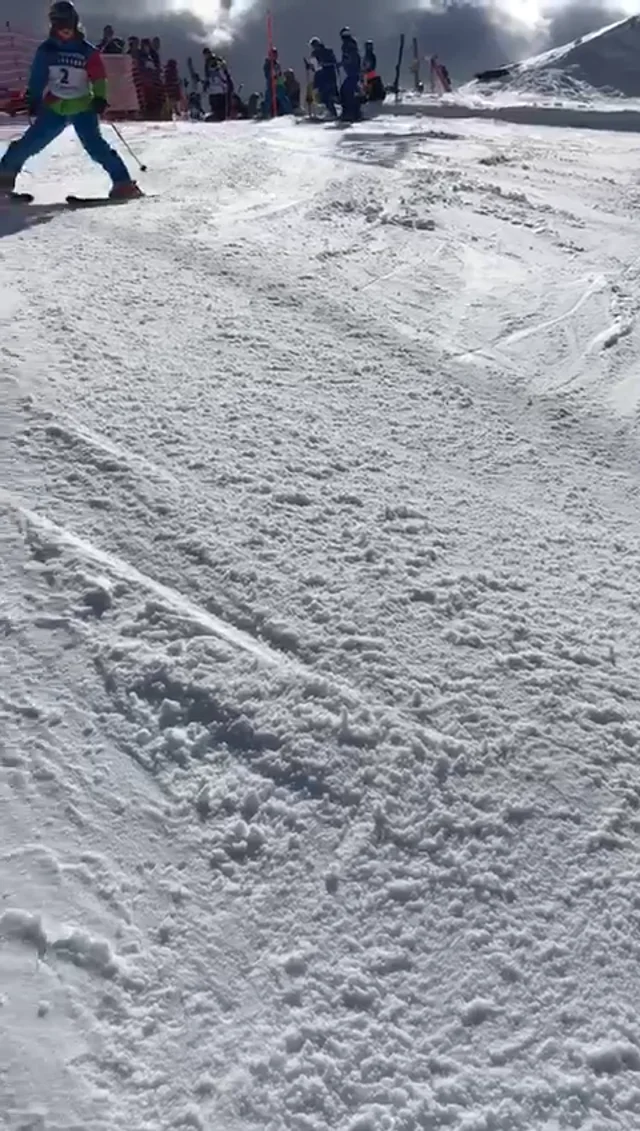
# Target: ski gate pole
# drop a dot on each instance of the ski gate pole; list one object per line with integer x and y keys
{"x": 396, "y": 84}
{"x": 274, "y": 98}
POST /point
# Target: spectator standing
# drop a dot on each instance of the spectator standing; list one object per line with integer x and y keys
{"x": 325, "y": 76}
{"x": 273, "y": 74}
{"x": 172, "y": 89}
{"x": 219, "y": 84}
{"x": 373, "y": 84}
{"x": 147, "y": 57}
{"x": 292, "y": 88}
{"x": 109, "y": 44}
{"x": 150, "y": 79}
{"x": 369, "y": 61}
{"x": 351, "y": 65}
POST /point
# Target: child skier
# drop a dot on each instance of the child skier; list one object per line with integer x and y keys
{"x": 67, "y": 84}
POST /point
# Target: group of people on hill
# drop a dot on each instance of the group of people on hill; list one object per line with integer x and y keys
{"x": 346, "y": 82}
{"x": 343, "y": 80}
{"x": 158, "y": 87}
{"x": 68, "y": 85}
{"x": 360, "y": 81}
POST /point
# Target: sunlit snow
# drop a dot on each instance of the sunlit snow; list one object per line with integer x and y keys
{"x": 320, "y": 633}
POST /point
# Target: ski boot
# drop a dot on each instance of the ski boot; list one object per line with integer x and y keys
{"x": 7, "y": 183}
{"x": 125, "y": 190}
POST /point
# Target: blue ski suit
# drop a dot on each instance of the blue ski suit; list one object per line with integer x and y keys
{"x": 66, "y": 82}
{"x": 325, "y": 78}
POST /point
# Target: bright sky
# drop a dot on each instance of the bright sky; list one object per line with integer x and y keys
{"x": 529, "y": 12}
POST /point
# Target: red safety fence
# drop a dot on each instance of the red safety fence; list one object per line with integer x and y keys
{"x": 16, "y": 52}
{"x": 133, "y": 91}
{"x": 121, "y": 86}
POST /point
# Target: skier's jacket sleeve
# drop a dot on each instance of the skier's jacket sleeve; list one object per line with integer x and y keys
{"x": 66, "y": 77}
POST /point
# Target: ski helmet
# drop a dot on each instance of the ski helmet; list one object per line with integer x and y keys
{"x": 315, "y": 41}
{"x": 345, "y": 32}
{"x": 63, "y": 14}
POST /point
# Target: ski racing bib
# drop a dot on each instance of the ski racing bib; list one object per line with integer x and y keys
{"x": 68, "y": 77}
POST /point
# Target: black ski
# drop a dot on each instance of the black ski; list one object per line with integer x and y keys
{"x": 71, "y": 201}
{"x": 98, "y": 201}
{"x": 17, "y": 197}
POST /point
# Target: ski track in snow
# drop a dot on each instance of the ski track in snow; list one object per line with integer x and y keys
{"x": 319, "y": 635}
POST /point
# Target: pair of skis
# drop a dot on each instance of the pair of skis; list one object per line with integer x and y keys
{"x": 71, "y": 201}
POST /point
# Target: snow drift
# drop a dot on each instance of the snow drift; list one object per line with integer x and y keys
{"x": 604, "y": 62}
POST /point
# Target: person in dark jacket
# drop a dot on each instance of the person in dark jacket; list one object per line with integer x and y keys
{"x": 369, "y": 61}
{"x": 351, "y": 66}
{"x": 109, "y": 44}
{"x": 324, "y": 66}
{"x": 373, "y": 84}
{"x": 150, "y": 79}
{"x": 148, "y": 58}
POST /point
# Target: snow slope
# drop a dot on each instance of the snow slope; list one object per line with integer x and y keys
{"x": 603, "y": 62}
{"x": 320, "y": 633}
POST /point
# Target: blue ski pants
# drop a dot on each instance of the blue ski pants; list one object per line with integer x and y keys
{"x": 349, "y": 98}
{"x": 48, "y": 125}
{"x": 327, "y": 93}
{"x": 283, "y": 105}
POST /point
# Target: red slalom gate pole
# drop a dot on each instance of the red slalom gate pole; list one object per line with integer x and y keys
{"x": 274, "y": 100}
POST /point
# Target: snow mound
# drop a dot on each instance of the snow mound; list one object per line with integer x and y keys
{"x": 604, "y": 62}
{"x": 75, "y": 945}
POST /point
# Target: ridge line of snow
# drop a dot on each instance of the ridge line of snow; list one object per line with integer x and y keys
{"x": 523, "y": 114}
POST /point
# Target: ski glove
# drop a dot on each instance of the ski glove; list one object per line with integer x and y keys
{"x": 99, "y": 105}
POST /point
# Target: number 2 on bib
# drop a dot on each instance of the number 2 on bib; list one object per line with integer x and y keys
{"x": 68, "y": 82}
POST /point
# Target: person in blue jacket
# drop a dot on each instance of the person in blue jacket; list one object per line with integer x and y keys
{"x": 68, "y": 83}
{"x": 324, "y": 66}
{"x": 352, "y": 68}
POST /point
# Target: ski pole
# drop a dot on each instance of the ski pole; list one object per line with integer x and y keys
{"x": 143, "y": 168}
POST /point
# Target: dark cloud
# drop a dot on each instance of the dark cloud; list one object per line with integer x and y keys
{"x": 183, "y": 33}
{"x": 572, "y": 20}
{"x": 467, "y": 36}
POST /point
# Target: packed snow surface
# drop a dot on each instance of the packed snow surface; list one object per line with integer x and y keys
{"x": 320, "y": 634}
{"x": 605, "y": 61}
